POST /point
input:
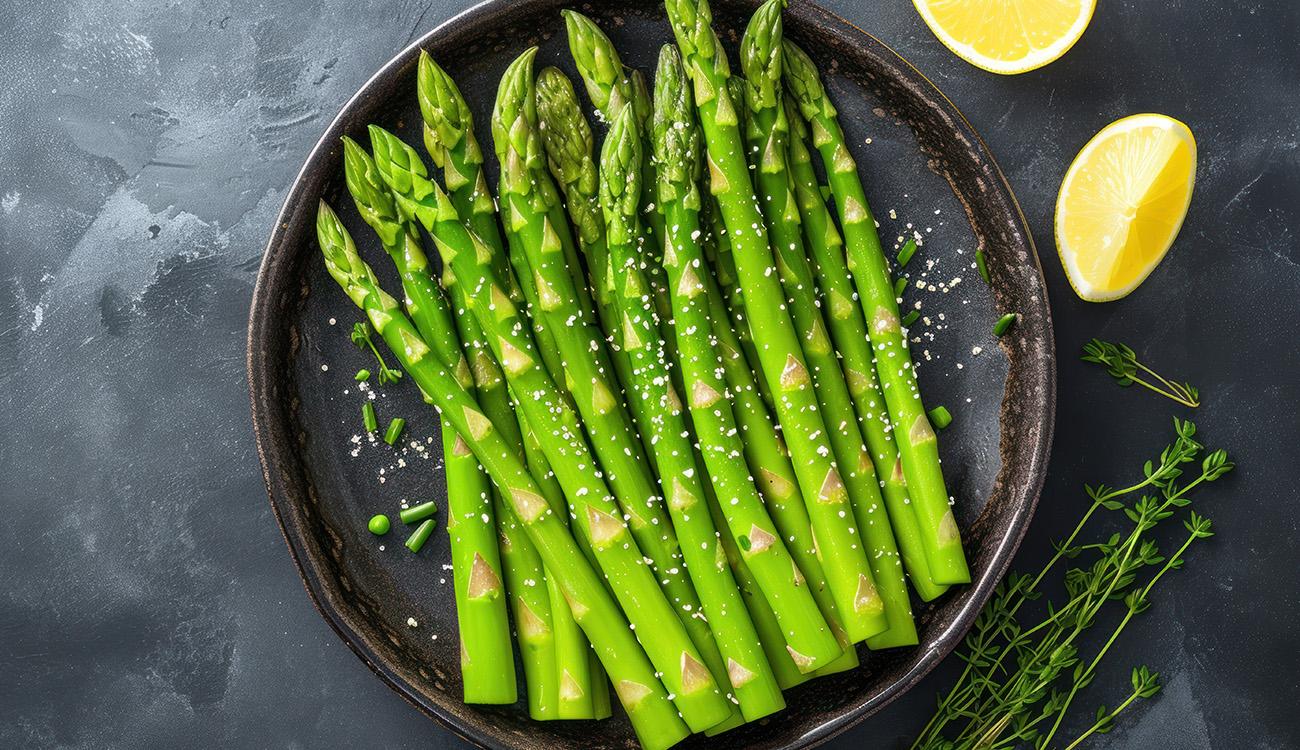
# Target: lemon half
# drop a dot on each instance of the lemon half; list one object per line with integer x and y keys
{"x": 1122, "y": 203}
{"x": 1007, "y": 36}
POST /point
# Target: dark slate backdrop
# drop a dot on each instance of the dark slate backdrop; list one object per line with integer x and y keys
{"x": 146, "y": 595}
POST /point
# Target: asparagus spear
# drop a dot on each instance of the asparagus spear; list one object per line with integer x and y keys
{"x": 769, "y": 460}
{"x": 487, "y": 660}
{"x": 760, "y": 612}
{"x": 449, "y": 139}
{"x": 918, "y": 448}
{"x": 612, "y": 86}
{"x": 524, "y": 188}
{"x": 678, "y": 150}
{"x": 569, "y": 152}
{"x": 653, "y": 715}
{"x": 849, "y": 332}
{"x": 665, "y": 637}
{"x": 843, "y": 558}
{"x": 583, "y": 686}
{"x": 747, "y": 668}
{"x": 579, "y": 689}
{"x": 768, "y": 137}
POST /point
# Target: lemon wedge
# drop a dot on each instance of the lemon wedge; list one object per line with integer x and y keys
{"x": 1007, "y": 36}
{"x": 1122, "y": 203}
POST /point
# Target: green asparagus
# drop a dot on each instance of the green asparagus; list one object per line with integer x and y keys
{"x": 487, "y": 660}
{"x": 747, "y": 668}
{"x": 677, "y": 143}
{"x": 768, "y": 136}
{"x": 843, "y": 556}
{"x": 653, "y": 715}
{"x": 849, "y": 332}
{"x": 665, "y": 637}
{"x": 918, "y": 449}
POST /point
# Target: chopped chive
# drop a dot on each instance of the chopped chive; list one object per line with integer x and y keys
{"x": 910, "y": 318}
{"x": 419, "y": 512}
{"x": 899, "y": 286}
{"x": 745, "y": 544}
{"x": 421, "y": 535}
{"x": 1004, "y": 323}
{"x": 939, "y": 417}
{"x": 368, "y": 414}
{"x": 983, "y": 265}
{"x": 379, "y": 525}
{"x": 905, "y": 254}
{"x": 394, "y": 430}
{"x": 362, "y": 375}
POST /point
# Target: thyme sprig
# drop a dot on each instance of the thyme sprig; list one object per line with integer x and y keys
{"x": 1122, "y": 364}
{"x": 361, "y": 337}
{"x": 1021, "y": 679}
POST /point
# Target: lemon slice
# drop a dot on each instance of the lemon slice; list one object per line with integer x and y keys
{"x": 1122, "y": 203}
{"x": 1007, "y": 36}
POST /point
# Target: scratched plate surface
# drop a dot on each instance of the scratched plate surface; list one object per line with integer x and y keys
{"x": 927, "y": 175}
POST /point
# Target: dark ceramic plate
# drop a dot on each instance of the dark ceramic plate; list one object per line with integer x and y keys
{"x": 926, "y": 171}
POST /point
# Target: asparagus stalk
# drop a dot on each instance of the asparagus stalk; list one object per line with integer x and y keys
{"x": 449, "y": 139}
{"x": 583, "y": 689}
{"x": 611, "y": 86}
{"x": 487, "y": 660}
{"x": 747, "y": 669}
{"x": 760, "y": 612}
{"x": 663, "y": 634}
{"x": 578, "y": 689}
{"x": 524, "y": 188}
{"x": 653, "y": 715}
{"x": 849, "y": 332}
{"x": 843, "y": 558}
{"x": 770, "y": 466}
{"x": 540, "y": 468}
{"x": 768, "y": 137}
{"x": 569, "y": 145}
{"x": 918, "y": 448}
{"x": 678, "y": 149}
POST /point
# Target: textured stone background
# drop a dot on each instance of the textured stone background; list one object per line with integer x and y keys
{"x": 146, "y": 596}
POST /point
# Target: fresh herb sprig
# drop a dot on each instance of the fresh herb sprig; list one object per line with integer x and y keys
{"x": 1123, "y": 365}
{"x": 361, "y": 337}
{"x": 1021, "y": 679}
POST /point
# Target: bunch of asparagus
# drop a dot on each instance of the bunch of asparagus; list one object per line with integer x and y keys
{"x": 684, "y": 443}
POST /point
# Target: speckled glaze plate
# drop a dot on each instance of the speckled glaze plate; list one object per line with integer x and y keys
{"x": 927, "y": 174}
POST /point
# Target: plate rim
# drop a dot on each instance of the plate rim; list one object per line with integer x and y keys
{"x": 276, "y": 467}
